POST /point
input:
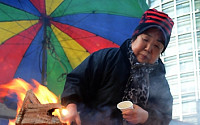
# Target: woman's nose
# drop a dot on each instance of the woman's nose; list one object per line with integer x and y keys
{"x": 149, "y": 48}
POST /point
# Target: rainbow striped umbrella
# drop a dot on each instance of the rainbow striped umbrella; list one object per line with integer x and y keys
{"x": 45, "y": 39}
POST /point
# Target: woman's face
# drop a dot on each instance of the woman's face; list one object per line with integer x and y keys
{"x": 147, "y": 47}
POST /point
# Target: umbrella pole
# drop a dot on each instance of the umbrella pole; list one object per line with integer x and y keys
{"x": 46, "y": 22}
{"x": 44, "y": 55}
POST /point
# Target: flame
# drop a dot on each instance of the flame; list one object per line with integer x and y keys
{"x": 64, "y": 112}
{"x": 20, "y": 87}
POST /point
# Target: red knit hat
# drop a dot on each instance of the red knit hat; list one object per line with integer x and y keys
{"x": 154, "y": 18}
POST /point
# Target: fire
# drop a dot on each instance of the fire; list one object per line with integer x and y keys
{"x": 64, "y": 112}
{"x": 20, "y": 87}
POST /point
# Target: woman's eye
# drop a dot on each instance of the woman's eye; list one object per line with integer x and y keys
{"x": 146, "y": 40}
{"x": 157, "y": 46}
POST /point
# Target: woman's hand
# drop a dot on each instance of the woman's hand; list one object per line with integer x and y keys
{"x": 136, "y": 115}
{"x": 72, "y": 115}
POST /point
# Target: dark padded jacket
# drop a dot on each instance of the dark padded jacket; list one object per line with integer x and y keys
{"x": 98, "y": 84}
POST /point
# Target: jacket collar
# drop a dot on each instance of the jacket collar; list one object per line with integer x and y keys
{"x": 124, "y": 50}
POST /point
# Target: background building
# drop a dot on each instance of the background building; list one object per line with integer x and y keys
{"x": 182, "y": 57}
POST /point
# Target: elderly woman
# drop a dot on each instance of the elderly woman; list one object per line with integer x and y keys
{"x": 132, "y": 72}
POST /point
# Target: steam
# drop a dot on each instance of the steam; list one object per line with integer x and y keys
{"x": 105, "y": 116}
{"x": 100, "y": 116}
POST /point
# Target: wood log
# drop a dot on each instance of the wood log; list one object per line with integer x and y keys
{"x": 34, "y": 113}
{"x": 49, "y": 106}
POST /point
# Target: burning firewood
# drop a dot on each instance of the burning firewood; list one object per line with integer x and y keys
{"x": 33, "y": 112}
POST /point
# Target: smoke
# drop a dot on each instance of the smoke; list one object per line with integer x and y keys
{"x": 100, "y": 116}
{"x": 106, "y": 116}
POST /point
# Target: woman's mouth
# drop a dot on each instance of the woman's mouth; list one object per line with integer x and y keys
{"x": 143, "y": 58}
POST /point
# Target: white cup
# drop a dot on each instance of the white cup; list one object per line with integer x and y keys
{"x": 124, "y": 105}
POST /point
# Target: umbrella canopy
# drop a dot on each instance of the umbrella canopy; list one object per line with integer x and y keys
{"x": 45, "y": 39}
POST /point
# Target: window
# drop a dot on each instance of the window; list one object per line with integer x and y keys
{"x": 191, "y": 119}
{"x": 186, "y": 65}
{"x": 173, "y": 89}
{"x": 176, "y": 110}
{"x": 158, "y": 8}
{"x": 171, "y": 48}
{"x": 154, "y": 3}
{"x": 171, "y": 58}
{"x": 173, "y": 83}
{"x": 166, "y": 0}
{"x": 198, "y": 21}
{"x": 171, "y": 67}
{"x": 176, "y": 99}
{"x": 187, "y": 83}
{"x": 185, "y": 55}
{"x": 189, "y": 107}
{"x": 199, "y": 58}
{"x": 188, "y": 97}
{"x": 197, "y": 5}
{"x": 183, "y": 8}
{"x": 169, "y": 8}
{"x": 183, "y": 24}
{"x": 169, "y": 11}
{"x": 185, "y": 42}
{"x": 186, "y": 62}
{"x": 181, "y": 1}
{"x": 198, "y": 40}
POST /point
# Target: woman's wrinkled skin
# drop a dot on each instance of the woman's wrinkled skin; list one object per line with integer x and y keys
{"x": 147, "y": 47}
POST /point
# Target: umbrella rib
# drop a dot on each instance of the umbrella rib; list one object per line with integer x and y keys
{"x": 67, "y": 7}
{"x": 70, "y": 48}
{"x": 64, "y": 10}
{"x": 75, "y": 24}
{"x": 27, "y": 16}
{"x": 50, "y": 6}
{"x": 56, "y": 57}
{"x": 18, "y": 35}
{"x": 15, "y": 22}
